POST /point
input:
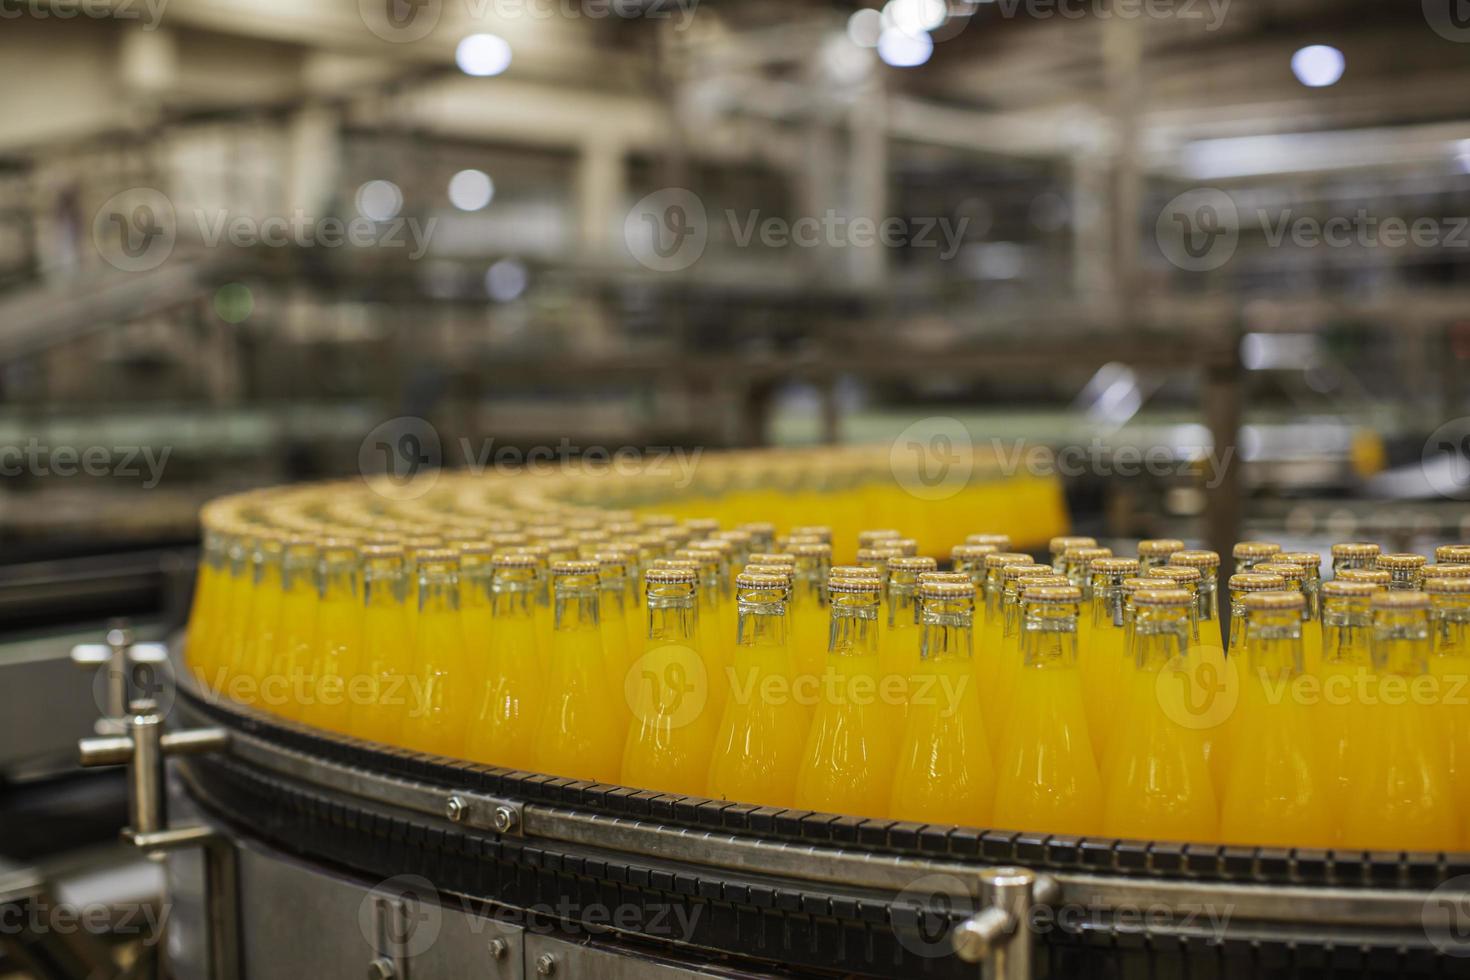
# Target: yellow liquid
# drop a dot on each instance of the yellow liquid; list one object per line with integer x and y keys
{"x": 266, "y": 690}
{"x": 337, "y": 663}
{"x": 231, "y": 651}
{"x": 578, "y": 734}
{"x": 1276, "y": 787}
{"x": 1311, "y": 644}
{"x": 1158, "y": 784}
{"x": 809, "y": 623}
{"x": 944, "y": 772}
{"x": 1102, "y": 664}
{"x": 511, "y": 699}
{"x": 674, "y": 721}
{"x": 1451, "y": 696}
{"x": 898, "y": 669}
{"x": 988, "y": 667}
{"x": 1340, "y": 713}
{"x": 386, "y": 654}
{"x": 758, "y": 748}
{"x": 1048, "y": 777}
{"x": 204, "y": 623}
{"x": 294, "y": 650}
{"x": 438, "y": 714}
{"x": 847, "y": 765}
{"x": 1401, "y": 796}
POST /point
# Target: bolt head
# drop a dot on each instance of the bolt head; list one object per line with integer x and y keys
{"x": 498, "y": 949}
{"x": 545, "y": 965}
{"x": 381, "y": 969}
{"x": 456, "y": 809}
{"x": 505, "y": 819}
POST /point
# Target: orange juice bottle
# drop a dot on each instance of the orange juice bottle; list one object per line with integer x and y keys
{"x": 990, "y": 611}
{"x": 758, "y": 748}
{"x": 1401, "y": 795}
{"x": 476, "y": 616}
{"x": 1241, "y": 585}
{"x": 716, "y": 622}
{"x": 335, "y": 667}
{"x": 1449, "y": 662}
{"x": 1157, "y": 782}
{"x": 674, "y": 721}
{"x": 612, "y": 608}
{"x": 1406, "y": 571}
{"x": 847, "y": 764}
{"x": 1276, "y": 788}
{"x": 1355, "y": 555}
{"x": 1208, "y": 634}
{"x": 205, "y": 620}
{"x": 386, "y": 645}
{"x": 1311, "y": 587}
{"x": 1156, "y": 552}
{"x": 1059, "y": 546}
{"x": 438, "y": 714}
{"x": 1221, "y": 742}
{"x": 1047, "y": 778}
{"x": 1295, "y": 576}
{"x": 512, "y": 696}
{"x": 578, "y": 735}
{"x": 898, "y": 641}
{"x": 230, "y": 646}
{"x": 1103, "y": 651}
{"x": 970, "y": 559}
{"x": 1249, "y": 554}
{"x": 1015, "y": 578}
{"x": 944, "y": 772}
{"x": 262, "y": 633}
{"x": 809, "y": 613}
{"x": 1345, "y": 668}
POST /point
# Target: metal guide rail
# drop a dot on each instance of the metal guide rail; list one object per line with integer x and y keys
{"x": 930, "y": 900}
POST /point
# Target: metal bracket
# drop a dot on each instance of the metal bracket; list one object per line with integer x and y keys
{"x": 144, "y": 748}
{"x": 390, "y": 932}
{"x": 999, "y": 935}
{"x": 121, "y": 656}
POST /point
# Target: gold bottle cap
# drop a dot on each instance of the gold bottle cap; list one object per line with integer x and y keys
{"x": 1445, "y": 571}
{"x": 855, "y": 571}
{"x": 854, "y": 585}
{"x": 912, "y": 563}
{"x": 1373, "y": 576}
{"x": 1308, "y": 559}
{"x": 1041, "y": 581}
{"x": 752, "y": 580}
{"x": 1401, "y": 562}
{"x": 1088, "y": 554}
{"x": 946, "y": 591}
{"x": 773, "y": 558}
{"x": 868, "y": 539}
{"x": 1245, "y": 550}
{"x": 1292, "y": 572}
{"x": 958, "y": 577}
{"x": 1000, "y": 559}
{"x": 1198, "y": 558}
{"x": 1175, "y": 573}
{"x": 670, "y": 576}
{"x": 576, "y": 566}
{"x": 1018, "y": 571}
{"x": 878, "y": 554}
{"x": 1060, "y": 544}
{"x": 1115, "y": 566}
{"x": 1159, "y": 547}
{"x": 972, "y": 552}
{"x": 1460, "y": 585}
{"x": 811, "y": 549}
{"x": 1456, "y": 554}
{"x": 1162, "y": 597}
{"x": 1354, "y": 549}
{"x": 1256, "y": 582}
{"x": 1052, "y": 594}
{"x": 1340, "y": 588}
{"x": 1274, "y": 600}
{"x": 784, "y": 571}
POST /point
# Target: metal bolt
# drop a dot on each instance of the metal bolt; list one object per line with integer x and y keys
{"x": 977, "y": 938}
{"x": 545, "y": 965}
{"x": 456, "y": 809}
{"x": 506, "y": 819}
{"x": 498, "y": 949}
{"x": 381, "y": 969}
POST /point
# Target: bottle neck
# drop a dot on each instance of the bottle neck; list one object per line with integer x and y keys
{"x": 903, "y": 601}
{"x": 1049, "y": 635}
{"x": 513, "y": 593}
{"x": 1206, "y": 597}
{"x": 948, "y": 631}
{"x": 438, "y": 588}
{"x": 1401, "y": 642}
{"x": 476, "y": 577}
{"x": 576, "y": 604}
{"x": 762, "y": 622}
{"x": 1347, "y": 630}
{"x": 340, "y": 577}
{"x": 1107, "y": 601}
{"x": 1273, "y": 643}
{"x": 384, "y": 582}
{"x": 1161, "y": 635}
{"x": 854, "y": 631}
{"x": 1449, "y": 620}
{"x": 673, "y": 614}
